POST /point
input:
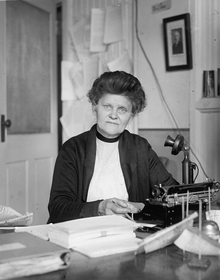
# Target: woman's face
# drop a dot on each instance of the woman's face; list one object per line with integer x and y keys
{"x": 113, "y": 112}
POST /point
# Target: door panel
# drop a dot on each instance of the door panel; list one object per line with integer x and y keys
{"x": 29, "y": 85}
{"x": 16, "y": 183}
{"x": 28, "y": 46}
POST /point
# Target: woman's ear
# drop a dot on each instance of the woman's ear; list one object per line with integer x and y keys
{"x": 131, "y": 119}
{"x": 94, "y": 109}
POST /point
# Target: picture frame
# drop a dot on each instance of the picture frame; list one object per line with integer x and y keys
{"x": 177, "y": 42}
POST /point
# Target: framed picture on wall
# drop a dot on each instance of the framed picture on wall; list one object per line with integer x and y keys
{"x": 177, "y": 42}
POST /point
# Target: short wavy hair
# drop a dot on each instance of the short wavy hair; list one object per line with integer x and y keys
{"x": 120, "y": 83}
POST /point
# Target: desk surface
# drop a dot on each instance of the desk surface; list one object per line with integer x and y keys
{"x": 168, "y": 264}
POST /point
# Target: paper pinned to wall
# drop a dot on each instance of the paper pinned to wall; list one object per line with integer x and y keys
{"x": 78, "y": 38}
{"x": 113, "y": 25}
{"x": 97, "y": 30}
{"x": 77, "y": 118}
{"x": 87, "y": 36}
{"x": 76, "y": 77}
{"x": 67, "y": 90}
{"x": 122, "y": 63}
{"x": 90, "y": 71}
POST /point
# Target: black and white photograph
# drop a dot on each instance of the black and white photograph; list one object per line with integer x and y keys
{"x": 109, "y": 140}
{"x": 177, "y": 42}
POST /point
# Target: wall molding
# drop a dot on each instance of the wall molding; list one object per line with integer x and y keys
{"x": 208, "y": 105}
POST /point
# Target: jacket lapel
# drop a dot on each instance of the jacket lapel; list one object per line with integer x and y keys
{"x": 127, "y": 158}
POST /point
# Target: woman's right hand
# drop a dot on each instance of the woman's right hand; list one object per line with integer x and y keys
{"x": 115, "y": 206}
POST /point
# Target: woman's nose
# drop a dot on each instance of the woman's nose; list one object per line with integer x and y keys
{"x": 114, "y": 114}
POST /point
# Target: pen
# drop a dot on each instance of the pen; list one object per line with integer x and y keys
{"x": 126, "y": 214}
{"x": 129, "y": 217}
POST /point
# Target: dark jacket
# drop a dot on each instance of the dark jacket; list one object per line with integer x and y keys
{"x": 178, "y": 48}
{"x": 74, "y": 168}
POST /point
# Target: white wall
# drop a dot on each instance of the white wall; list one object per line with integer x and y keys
{"x": 175, "y": 85}
{"x": 205, "y": 112}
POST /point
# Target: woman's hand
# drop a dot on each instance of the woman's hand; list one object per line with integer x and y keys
{"x": 116, "y": 206}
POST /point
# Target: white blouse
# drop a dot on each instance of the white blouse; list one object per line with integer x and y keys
{"x": 108, "y": 180}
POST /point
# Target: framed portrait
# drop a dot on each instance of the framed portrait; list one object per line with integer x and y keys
{"x": 177, "y": 42}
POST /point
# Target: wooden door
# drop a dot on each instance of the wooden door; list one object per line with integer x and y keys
{"x": 28, "y": 97}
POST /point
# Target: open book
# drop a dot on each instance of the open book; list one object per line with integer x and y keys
{"x": 96, "y": 236}
{"x": 108, "y": 245}
{"x": 71, "y": 233}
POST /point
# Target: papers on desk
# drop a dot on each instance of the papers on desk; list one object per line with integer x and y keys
{"x": 96, "y": 236}
{"x": 93, "y": 237}
{"x": 70, "y": 233}
{"x": 195, "y": 241}
{"x": 38, "y": 230}
{"x": 10, "y": 218}
{"x": 165, "y": 236}
{"x": 108, "y": 245}
{"x": 23, "y": 254}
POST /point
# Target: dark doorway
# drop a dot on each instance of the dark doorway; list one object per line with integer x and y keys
{"x": 59, "y": 60}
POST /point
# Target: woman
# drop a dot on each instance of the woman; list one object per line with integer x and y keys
{"x": 101, "y": 171}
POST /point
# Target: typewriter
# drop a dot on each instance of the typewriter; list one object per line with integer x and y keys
{"x": 167, "y": 203}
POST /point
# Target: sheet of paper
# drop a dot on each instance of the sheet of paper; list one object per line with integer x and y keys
{"x": 77, "y": 34}
{"x": 90, "y": 72}
{"x": 76, "y": 77}
{"x": 77, "y": 118}
{"x": 10, "y": 218}
{"x": 194, "y": 241}
{"x": 67, "y": 90}
{"x": 97, "y": 31}
{"x": 138, "y": 205}
{"x": 38, "y": 230}
{"x": 104, "y": 246}
{"x": 7, "y": 213}
{"x": 87, "y": 36}
{"x": 113, "y": 25}
{"x": 122, "y": 63}
{"x": 99, "y": 224}
{"x": 165, "y": 236}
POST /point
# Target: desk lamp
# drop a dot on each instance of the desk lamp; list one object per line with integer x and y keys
{"x": 187, "y": 166}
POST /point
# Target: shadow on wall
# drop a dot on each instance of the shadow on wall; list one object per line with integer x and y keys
{"x": 164, "y": 160}
{"x": 170, "y": 165}
{"x": 157, "y": 138}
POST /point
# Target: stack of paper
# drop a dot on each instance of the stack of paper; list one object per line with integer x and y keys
{"x": 96, "y": 236}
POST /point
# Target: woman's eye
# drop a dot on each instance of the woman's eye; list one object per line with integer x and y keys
{"x": 122, "y": 110}
{"x": 107, "y": 107}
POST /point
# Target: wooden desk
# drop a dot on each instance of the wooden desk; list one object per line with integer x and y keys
{"x": 165, "y": 264}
